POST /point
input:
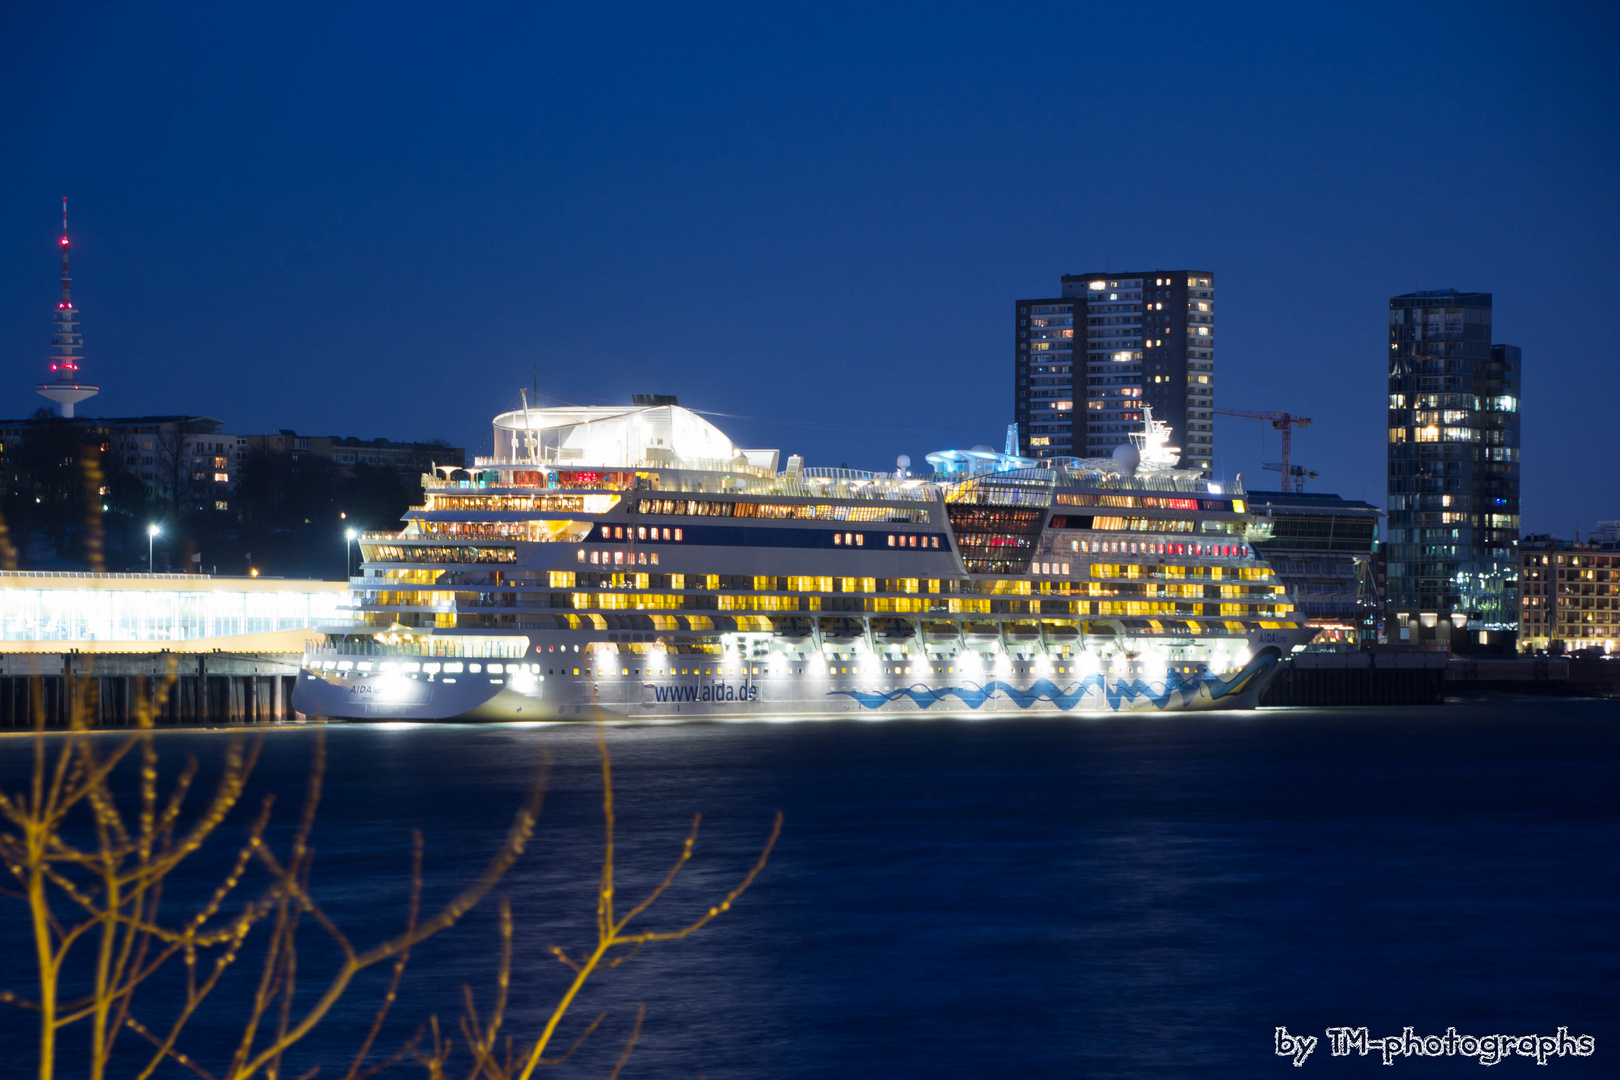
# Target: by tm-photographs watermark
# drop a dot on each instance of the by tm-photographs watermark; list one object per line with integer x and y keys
{"x": 1486, "y": 1049}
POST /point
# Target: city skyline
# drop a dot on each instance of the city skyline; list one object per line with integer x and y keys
{"x": 401, "y": 263}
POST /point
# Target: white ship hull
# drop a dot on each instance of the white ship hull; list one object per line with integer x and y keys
{"x": 568, "y": 698}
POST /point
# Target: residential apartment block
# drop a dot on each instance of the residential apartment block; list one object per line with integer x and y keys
{"x": 1088, "y": 361}
{"x": 1569, "y": 593}
{"x": 192, "y": 461}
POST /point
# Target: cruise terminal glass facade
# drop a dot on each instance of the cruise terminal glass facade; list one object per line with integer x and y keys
{"x": 1453, "y": 473}
{"x": 144, "y": 611}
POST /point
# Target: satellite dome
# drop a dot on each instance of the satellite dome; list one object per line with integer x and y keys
{"x": 904, "y": 461}
{"x": 1127, "y": 458}
{"x": 980, "y": 448}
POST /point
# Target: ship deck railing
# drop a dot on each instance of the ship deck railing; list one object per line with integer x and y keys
{"x": 734, "y": 480}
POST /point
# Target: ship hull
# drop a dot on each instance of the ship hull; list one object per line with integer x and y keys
{"x": 570, "y": 698}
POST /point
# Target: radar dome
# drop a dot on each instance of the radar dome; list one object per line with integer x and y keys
{"x": 903, "y": 461}
{"x": 1127, "y": 458}
{"x": 981, "y": 448}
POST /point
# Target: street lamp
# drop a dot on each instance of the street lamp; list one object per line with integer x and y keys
{"x": 152, "y": 532}
{"x": 349, "y": 537}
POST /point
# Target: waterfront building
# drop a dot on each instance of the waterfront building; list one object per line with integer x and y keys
{"x": 1453, "y": 473}
{"x": 60, "y": 612}
{"x": 1569, "y": 593}
{"x": 1087, "y": 362}
{"x": 1321, "y": 547}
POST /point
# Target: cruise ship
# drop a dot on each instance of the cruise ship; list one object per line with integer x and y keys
{"x": 633, "y": 563}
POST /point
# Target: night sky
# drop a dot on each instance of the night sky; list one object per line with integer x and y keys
{"x": 378, "y": 220}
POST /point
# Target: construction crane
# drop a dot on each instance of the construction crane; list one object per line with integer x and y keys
{"x": 1285, "y": 423}
{"x": 1299, "y": 472}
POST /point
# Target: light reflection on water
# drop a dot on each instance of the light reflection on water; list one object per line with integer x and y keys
{"x": 1095, "y": 896}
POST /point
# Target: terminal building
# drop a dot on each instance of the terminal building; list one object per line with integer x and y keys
{"x": 1322, "y": 548}
{"x": 58, "y": 612}
{"x": 100, "y": 648}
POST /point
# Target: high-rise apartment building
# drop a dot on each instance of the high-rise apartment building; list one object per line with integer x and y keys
{"x": 1043, "y": 383}
{"x": 1088, "y": 361}
{"x": 1453, "y": 473}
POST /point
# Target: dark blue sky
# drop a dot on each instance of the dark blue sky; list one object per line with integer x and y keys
{"x": 375, "y": 220}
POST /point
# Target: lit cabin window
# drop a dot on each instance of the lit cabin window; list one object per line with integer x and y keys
{"x": 891, "y": 539}
{"x": 838, "y": 539}
{"x": 677, "y": 534}
{"x": 860, "y": 539}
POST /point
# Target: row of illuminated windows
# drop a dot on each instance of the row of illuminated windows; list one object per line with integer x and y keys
{"x": 1575, "y": 560}
{"x": 640, "y": 532}
{"x": 1147, "y": 502}
{"x": 1168, "y": 604}
{"x": 1433, "y": 434}
{"x": 1131, "y": 571}
{"x": 532, "y": 531}
{"x": 156, "y": 615}
{"x": 619, "y": 557}
{"x": 1126, "y": 581}
{"x": 431, "y": 667}
{"x": 778, "y": 511}
{"x": 568, "y": 579}
{"x": 436, "y": 554}
{"x": 562, "y": 504}
{"x": 1155, "y": 547}
{"x": 1136, "y": 524}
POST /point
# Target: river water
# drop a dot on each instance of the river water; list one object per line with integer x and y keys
{"x": 1127, "y": 896}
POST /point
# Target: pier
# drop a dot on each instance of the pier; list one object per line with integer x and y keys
{"x": 206, "y": 688}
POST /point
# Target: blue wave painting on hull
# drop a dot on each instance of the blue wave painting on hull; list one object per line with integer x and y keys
{"x": 974, "y": 696}
{"x": 1121, "y": 693}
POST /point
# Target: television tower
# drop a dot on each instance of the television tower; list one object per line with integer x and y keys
{"x": 64, "y": 386}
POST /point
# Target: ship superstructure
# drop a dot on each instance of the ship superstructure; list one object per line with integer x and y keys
{"x": 633, "y": 562}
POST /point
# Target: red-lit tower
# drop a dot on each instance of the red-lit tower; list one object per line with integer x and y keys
{"x": 65, "y": 386}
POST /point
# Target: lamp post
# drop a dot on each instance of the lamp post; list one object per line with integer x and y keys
{"x": 152, "y": 532}
{"x": 349, "y": 537}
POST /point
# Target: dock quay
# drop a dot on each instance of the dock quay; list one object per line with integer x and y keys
{"x": 1429, "y": 678}
{"x": 206, "y": 688}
